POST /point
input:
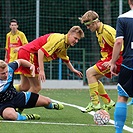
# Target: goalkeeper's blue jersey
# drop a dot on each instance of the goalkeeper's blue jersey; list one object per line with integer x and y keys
{"x": 7, "y": 90}
{"x": 124, "y": 29}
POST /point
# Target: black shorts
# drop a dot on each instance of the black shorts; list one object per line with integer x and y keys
{"x": 19, "y": 101}
{"x": 125, "y": 81}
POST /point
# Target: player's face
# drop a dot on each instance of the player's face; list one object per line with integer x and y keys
{"x": 92, "y": 27}
{"x": 3, "y": 73}
{"x": 13, "y": 26}
{"x": 73, "y": 38}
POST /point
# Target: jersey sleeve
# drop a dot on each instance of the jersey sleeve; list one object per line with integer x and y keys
{"x": 24, "y": 39}
{"x": 63, "y": 56}
{"x": 110, "y": 36}
{"x": 52, "y": 45}
{"x": 119, "y": 28}
{"x": 14, "y": 65}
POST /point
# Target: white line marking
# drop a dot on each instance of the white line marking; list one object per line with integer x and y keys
{"x": 51, "y": 123}
{"x": 70, "y": 124}
{"x": 92, "y": 113}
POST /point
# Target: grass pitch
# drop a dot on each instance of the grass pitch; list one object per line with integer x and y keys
{"x": 68, "y": 120}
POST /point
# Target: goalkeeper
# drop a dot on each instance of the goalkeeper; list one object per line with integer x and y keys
{"x": 44, "y": 49}
{"x": 106, "y": 38}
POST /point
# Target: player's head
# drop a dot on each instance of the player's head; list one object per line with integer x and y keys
{"x": 130, "y": 2}
{"x": 74, "y": 35}
{"x": 90, "y": 20}
{"x": 13, "y": 21}
{"x": 13, "y": 25}
{"x": 3, "y": 70}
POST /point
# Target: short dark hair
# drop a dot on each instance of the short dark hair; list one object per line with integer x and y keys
{"x": 13, "y": 20}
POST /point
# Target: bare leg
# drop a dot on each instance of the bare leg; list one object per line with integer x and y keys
{"x": 10, "y": 114}
{"x": 35, "y": 85}
{"x": 24, "y": 85}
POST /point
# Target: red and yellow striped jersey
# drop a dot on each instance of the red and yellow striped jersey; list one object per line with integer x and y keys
{"x": 13, "y": 41}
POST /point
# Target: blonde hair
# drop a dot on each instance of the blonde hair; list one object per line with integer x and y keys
{"x": 3, "y": 64}
{"x": 77, "y": 30}
{"x": 89, "y": 16}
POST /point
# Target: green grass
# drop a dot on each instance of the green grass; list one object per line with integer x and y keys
{"x": 69, "y": 115}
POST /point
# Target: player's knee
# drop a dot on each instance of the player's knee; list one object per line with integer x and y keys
{"x": 24, "y": 87}
{"x": 88, "y": 72}
{"x": 36, "y": 89}
{"x": 9, "y": 115}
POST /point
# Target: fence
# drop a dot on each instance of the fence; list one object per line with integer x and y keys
{"x": 38, "y": 17}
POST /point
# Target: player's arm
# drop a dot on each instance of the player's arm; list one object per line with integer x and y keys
{"x": 17, "y": 49}
{"x": 6, "y": 59}
{"x": 41, "y": 65}
{"x": 70, "y": 66}
{"x": 26, "y": 63}
{"x": 116, "y": 52}
{"x": 46, "y": 50}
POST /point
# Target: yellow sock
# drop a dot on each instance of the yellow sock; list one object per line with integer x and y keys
{"x": 94, "y": 93}
{"x": 102, "y": 93}
{"x": 17, "y": 87}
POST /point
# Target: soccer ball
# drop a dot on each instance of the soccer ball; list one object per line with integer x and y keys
{"x": 101, "y": 117}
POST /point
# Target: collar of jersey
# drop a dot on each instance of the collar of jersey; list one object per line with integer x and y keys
{"x": 66, "y": 39}
{"x": 15, "y": 33}
{"x": 100, "y": 28}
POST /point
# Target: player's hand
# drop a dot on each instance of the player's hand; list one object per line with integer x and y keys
{"x": 16, "y": 50}
{"x": 32, "y": 68}
{"x": 106, "y": 64}
{"x": 42, "y": 76}
{"x": 78, "y": 73}
{"x": 113, "y": 69}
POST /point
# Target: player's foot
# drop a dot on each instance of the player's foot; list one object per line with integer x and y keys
{"x": 32, "y": 116}
{"x": 130, "y": 103}
{"x": 107, "y": 107}
{"x": 91, "y": 107}
{"x": 58, "y": 106}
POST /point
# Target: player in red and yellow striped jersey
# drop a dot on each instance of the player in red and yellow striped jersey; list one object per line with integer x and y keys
{"x": 14, "y": 39}
{"x": 46, "y": 48}
{"x": 106, "y": 38}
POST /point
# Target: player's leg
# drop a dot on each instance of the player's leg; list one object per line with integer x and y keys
{"x": 104, "y": 71}
{"x": 48, "y": 104}
{"x": 18, "y": 86}
{"x": 29, "y": 84}
{"x": 10, "y": 114}
{"x": 35, "y": 85}
{"x": 27, "y": 81}
{"x": 120, "y": 113}
{"x": 24, "y": 83}
{"x": 125, "y": 90}
{"x": 108, "y": 103}
{"x": 36, "y": 100}
{"x": 93, "y": 85}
